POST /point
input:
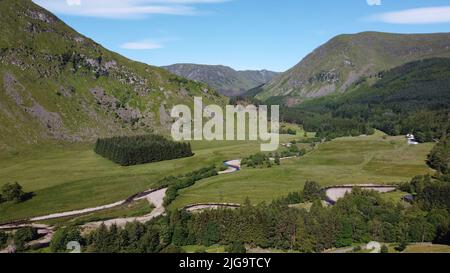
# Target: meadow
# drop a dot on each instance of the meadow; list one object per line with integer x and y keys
{"x": 70, "y": 177}
{"x": 375, "y": 159}
{"x": 67, "y": 177}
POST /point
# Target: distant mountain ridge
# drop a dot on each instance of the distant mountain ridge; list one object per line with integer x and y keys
{"x": 224, "y": 79}
{"x": 346, "y": 59}
{"x": 58, "y": 85}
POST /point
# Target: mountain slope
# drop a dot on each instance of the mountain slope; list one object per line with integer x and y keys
{"x": 345, "y": 59}
{"x": 56, "y": 84}
{"x": 412, "y": 98}
{"x": 224, "y": 79}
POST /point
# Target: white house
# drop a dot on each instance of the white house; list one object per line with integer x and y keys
{"x": 411, "y": 139}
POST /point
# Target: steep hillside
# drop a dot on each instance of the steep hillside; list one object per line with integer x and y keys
{"x": 224, "y": 79}
{"x": 412, "y": 98}
{"x": 344, "y": 60}
{"x": 56, "y": 84}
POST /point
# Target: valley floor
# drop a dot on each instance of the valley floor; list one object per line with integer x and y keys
{"x": 72, "y": 177}
{"x": 66, "y": 178}
{"x": 373, "y": 159}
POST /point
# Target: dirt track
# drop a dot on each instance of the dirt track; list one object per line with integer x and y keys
{"x": 233, "y": 166}
{"x": 156, "y": 198}
{"x": 202, "y": 207}
{"x": 338, "y": 192}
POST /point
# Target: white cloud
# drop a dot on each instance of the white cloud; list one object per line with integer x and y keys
{"x": 123, "y": 8}
{"x": 374, "y": 2}
{"x": 142, "y": 45}
{"x": 430, "y": 15}
{"x": 74, "y": 2}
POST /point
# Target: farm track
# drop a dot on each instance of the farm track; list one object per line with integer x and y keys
{"x": 155, "y": 197}
{"x": 74, "y": 213}
{"x": 335, "y": 193}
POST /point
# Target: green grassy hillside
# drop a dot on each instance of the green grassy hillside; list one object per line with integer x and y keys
{"x": 57, "y": 85}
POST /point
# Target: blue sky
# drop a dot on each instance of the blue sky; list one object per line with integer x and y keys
{"x": 243, "y": 34}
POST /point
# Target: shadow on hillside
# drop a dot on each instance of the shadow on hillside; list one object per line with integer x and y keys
{"x": 27, "y": 196}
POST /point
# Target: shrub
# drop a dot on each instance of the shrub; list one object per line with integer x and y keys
{"x": 402, "y": 246}
{"x": 384, "y": 249}
{"x": 236, "y": 248}
{"x": 63, "y": 236}
{"x": 277, "y": 160}
{"x": 312, "y": 191}
{"x": 291, "y": 199}
{"x": 288, "y": 131}
{"x": 257, "y": 160}
{"x": 24, "y": 235}
{"x": 173, "y": 249}
{"x": 3, "y": 239}
{"x": 177, "y": 183}
{"x": 13, "y": 192}
{"x": 357, "y": 249}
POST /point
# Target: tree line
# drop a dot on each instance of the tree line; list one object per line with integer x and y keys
{"x": 258, "y": 160}
{"x": 264, "y": 160}
{"x": 134, "y": 150}
{"x": 439, "y": 158}
{"x": 359, "y": 217}
{"x": 175, "y": 184}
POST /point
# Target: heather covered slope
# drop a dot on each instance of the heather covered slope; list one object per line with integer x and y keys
{"x": 224, "y": 79}
{"x": 345, "y": 59}
{"x": 56, "y": 84}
